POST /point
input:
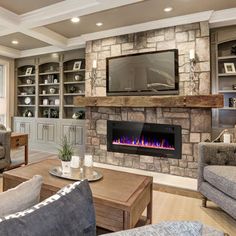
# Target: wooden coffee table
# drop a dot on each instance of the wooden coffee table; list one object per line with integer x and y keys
{"x": 119, "y": 197}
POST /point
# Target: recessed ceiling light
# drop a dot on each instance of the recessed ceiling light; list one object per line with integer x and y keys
{"x": 14, "y": 42}
{"x": 75, "y": 19}
{"x": 99, "y": 24}
{"x": 168, "y": 9}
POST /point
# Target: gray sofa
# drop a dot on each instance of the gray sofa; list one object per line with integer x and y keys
{"x": 5, "y": 146}
{"x": 171, "y": 228}
{"x": 217, "y": 175}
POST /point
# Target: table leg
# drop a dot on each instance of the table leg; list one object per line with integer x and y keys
{"x": 26, "y": 154}
{"x": 149, "y": 207}
{"x": 127, "y": 220}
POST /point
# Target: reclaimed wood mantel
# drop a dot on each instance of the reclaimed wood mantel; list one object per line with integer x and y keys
{"x": 194, "y": 101}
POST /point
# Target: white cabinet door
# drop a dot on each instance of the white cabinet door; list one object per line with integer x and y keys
{"x": 41, "y": 132}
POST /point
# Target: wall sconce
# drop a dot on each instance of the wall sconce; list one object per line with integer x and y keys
{"x": 93, "y": 75}
{"x": 192, "y": 61}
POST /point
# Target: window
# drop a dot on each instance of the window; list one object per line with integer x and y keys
{"x": 2, "y": 82}
{"x": 2, "y": 96}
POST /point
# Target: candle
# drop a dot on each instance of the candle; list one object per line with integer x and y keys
{"x": 227, "y": 138}
{"x": 88, "y": 160}
{"x": 94, "y": 64}
{"x": 192, "y": 54}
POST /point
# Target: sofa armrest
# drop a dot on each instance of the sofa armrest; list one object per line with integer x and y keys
{"x": 215, "y": 154}
{"x": 5, "y": 141}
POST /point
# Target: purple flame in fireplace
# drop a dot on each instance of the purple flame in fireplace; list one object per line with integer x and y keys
{"x": 143, "y": 142}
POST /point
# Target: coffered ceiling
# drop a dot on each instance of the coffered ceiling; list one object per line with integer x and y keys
{"x": 45, "y": 26}
{"x": 27, "y": 41}
{"x": 23, "y": 6}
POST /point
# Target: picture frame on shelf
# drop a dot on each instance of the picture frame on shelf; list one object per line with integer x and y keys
{"x": 28, "y": 71}
{"x": 77, "y": 65}
{"x": 229, "y": 68}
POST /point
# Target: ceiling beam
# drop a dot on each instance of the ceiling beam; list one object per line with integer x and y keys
{"x": 8, "y": 18}
{"x": 9, "y": 52}
{"x": 46, "y": 35}
{"x": 54, "y": 13}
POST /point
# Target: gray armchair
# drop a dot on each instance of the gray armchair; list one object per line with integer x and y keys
{"x": 5, "y": 146}
{"x": 217, "y": 175}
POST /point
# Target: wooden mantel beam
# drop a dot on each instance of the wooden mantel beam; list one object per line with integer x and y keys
{"x": 195, "y": 101}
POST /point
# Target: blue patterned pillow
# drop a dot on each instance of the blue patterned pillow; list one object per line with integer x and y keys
{"x": 70, "y": 212}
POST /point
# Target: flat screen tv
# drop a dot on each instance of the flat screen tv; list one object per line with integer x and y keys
{"x": 152, "y": 73}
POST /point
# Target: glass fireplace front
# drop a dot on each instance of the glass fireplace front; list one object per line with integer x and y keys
{"x": 144, "y": 138}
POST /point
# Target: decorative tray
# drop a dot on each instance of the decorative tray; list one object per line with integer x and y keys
{"x": 76, "y": 174}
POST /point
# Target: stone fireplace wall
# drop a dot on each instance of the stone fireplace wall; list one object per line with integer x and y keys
{"x": 185, "y": 37}
{"x": 196, "y": 123}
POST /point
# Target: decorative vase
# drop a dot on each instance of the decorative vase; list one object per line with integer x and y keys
{"x": 29, "y": 114}
{"x": 29, "y": 81}
{"x": 52, "y": 90}
{"x": 65, "y": 165}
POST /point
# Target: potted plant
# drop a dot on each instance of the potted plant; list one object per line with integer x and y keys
{"x": 65, "y": 154}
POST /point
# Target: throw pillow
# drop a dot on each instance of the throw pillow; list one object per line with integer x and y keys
{"x": 21, "y": 197}
{"x": 70, "y": 212}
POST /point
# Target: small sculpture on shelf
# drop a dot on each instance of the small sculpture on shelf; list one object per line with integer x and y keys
{"x": 31, "y": 90}
{"x": 29, "y": 81}
{"x": 52, "y": 90}
{"x": 27, "y": 113}
{"x": 72, "y": 89}
{"x": 46, "y": 113}
{"x": 77, "y": 77}
{"x": 54, "y": 113}
{"x": 51, "y": 113}
{"x": 78, "y": 115}
{"x": 50, "y": 79}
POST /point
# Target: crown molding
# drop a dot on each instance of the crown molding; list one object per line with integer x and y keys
{"x": 46, "y": 50}
{"x": 223, "y": 18}
{"x": 9, "y": 52}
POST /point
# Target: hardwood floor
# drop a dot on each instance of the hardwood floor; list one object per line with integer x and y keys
{"x": 168, "y": 206}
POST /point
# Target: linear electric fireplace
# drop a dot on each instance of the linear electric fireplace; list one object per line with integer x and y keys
{"x": 144, "y": 138}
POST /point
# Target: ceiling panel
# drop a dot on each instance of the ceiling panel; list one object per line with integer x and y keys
{"x": 23, "y": 6}
{"x": 136, "y": 13}
{"x": 25, "y": 42}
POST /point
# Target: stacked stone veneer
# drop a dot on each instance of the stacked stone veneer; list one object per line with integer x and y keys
{"x": 196, "y": 123}
{"x": 196, "y": 127}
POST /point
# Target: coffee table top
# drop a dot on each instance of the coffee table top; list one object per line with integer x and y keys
{"x": 117, "y": 187}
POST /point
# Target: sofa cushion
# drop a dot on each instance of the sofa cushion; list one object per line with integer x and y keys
{"x": 21, "y": 197}
{"x": 171, "y": 228}
{"x": 222, "y": 177}
{"x": 70, "y": 212}
{"x": 2, "y": 152}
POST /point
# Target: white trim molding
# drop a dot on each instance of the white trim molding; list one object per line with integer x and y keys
{"x": 223, "y": 18}
{"x": 32, "y": 24}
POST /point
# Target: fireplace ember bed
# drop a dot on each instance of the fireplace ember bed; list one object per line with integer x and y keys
{"x": 144, "y": 138}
